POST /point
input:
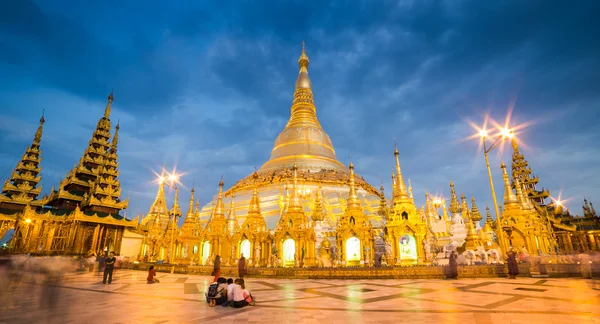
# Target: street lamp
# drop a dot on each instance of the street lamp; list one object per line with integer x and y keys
{"x": 504, "y": 134}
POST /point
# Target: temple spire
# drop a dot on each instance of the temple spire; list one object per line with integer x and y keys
{"x": 190, "y": 213}
{"x": 176, "y": 209}
{"x": 400, "y": 186}
{"x": 488, "y": 216}
{"x": 454, "y": 205}
{"x": 93, "y": 182}
{"x": 522, "y": 171}
{"x": 475, "y": 214}
{"x": 523, "y": 201}
{"x": 158, "y": 212}
{"x": 108, "y": 105}
{"x": 294, "y": 203}
{"x": 303, "y": 141}
{"x": 22, "y": 187}
{"x": 353, "y": 202}
{"x": 232, "y": 222}
{"x": 219, "y": 210}
{"x": 509, "y": 195}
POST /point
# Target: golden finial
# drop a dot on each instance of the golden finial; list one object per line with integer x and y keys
{"x": 303, "y": 81}
{"x": 115, "y": 140}
{"x": 38, "y": 134}
{"x": 107, "y": 109}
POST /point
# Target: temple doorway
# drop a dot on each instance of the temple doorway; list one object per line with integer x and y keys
{"x": 245, "y": 249}
{"x": 289, "y": 250}
{"x": 205, "y": 252}
{"x": 353, "y": 251}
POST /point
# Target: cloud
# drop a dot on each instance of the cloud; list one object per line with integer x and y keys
{"x": 208, "y": 88}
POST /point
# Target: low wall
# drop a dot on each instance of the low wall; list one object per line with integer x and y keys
{"x": 412, "y": 272}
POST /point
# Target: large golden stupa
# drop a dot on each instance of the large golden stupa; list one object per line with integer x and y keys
{"x": 305, "y": 143}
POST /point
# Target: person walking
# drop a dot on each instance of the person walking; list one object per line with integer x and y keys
{"x": 216, "y": 268}
{"x": 453, "y": 266}
{"x": 109, "y": 267}
{"x": 513, "y": 267}
{"x": 242, "y": 266}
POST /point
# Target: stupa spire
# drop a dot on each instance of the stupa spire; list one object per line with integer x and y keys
{"x": 488, "y": 216}
{"x": 522, "y": 171}
{"x": 22, "y": 187}
{"x": 219, "y": 211}
{"x": 475, "y": 214}
{"x": 254, "y": 207}
{"x": 509, "y": 195}
{"x": 520, "y": 196}
{"x": 400, "y": 186}
{"x": 454, "y": 205}
{"x": 232, "y": 222}
{"x": 94, "y": 178}
{"x": 190, "y": 214}
{"x": 303, "y": 141}
{"x": 176, "y": 209}
{"x": 353, "y": 202}
{"x": 108, "y": 105}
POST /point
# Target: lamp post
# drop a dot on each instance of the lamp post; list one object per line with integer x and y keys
{"x": 503, "y": 135}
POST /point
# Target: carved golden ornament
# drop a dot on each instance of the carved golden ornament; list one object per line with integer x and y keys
{"x": 28, "y": 166}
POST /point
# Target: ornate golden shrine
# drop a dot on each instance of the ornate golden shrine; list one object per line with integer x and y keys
{"x": 295, "y": 226}
{"x": 82, "y": 215}
{"x": 405, "y": 228}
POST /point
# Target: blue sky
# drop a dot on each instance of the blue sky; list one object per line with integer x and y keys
{"x": 207, "y": 86}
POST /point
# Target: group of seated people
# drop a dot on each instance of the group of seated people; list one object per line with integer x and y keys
{"x": 227, "y": 292}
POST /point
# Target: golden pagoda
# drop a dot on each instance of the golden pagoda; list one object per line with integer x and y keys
{"x": 22, "y": 187}
{"x": 190, "y": 235}
{"x": 216, "y": 235}
{"x": 83, "y": 214}
{"x": 405, "y": 228}
{"x": 305, "y": 143}
{"x": 294, "y": 236}
{"x": 354, "y": 231}
{"x": 253, "y": 240}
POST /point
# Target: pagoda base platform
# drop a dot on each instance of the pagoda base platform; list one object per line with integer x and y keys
{"x": 408, "y": 272}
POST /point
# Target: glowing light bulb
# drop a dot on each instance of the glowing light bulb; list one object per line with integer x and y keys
{"x": 28, "y": 220}
{"x": 507, "y": 133}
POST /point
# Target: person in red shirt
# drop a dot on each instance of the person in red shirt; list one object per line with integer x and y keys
{"x": 151, "y": 276}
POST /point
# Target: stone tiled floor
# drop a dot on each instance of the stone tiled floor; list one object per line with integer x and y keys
{"x": 82, "y": 298}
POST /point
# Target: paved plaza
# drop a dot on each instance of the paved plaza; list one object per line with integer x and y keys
{"x": 82, "y": 298}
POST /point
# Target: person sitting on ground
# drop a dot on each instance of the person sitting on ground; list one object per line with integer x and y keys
{"x": 229, "y": 292}
{"x": 241, "y": 295}
{"x": 151, "y": 276}
{"x": 221, "y": 295}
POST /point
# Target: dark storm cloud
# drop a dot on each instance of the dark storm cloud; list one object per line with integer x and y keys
{"x": 209, "y": 85}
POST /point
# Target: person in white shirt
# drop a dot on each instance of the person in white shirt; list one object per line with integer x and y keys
{"x": 241, "y": 296}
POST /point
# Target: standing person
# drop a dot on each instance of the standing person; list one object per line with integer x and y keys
{"x": 513, "y": 268}
{"x": 109, "y": 267}
{"x": 242, "y": 266}
{"x": 217, "y": 268}
{"x": 453, "y": 266}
